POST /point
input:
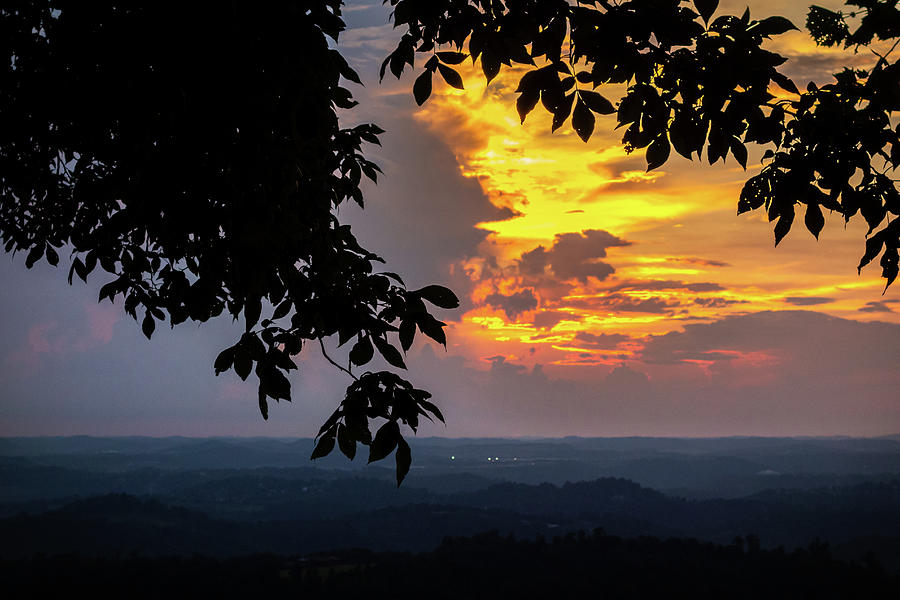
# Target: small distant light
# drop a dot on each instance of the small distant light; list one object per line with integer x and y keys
{"x": 452, "y": 458}
{"x": 495, "y": 458}
{"x": 516, "y": 458}
{"x": 489, "y": 458}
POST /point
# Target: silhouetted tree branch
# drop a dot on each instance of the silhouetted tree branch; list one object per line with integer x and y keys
{"x": 193, "y": 152}
{"x": 694, "y": 82}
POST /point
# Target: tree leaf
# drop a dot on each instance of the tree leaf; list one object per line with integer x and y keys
{"x": 658, "y": 152}
{"x": 385, "y": 441}
{"x": 362, "y": 352}
{"x": 814, "y": 219}
{"x": 583, "y": 120}
{"x": 422, "y": 87}
{"x": 346, "y": 442}
{"x": 439, "y": 296}
{"x": 562, "y": 112}
{"x": 148, "y": 325}
{"x": 451, "y": 58}
{"x": 404, "y": 460}
{"x": 407, "y": 333}
{"x": 243, "y": 364}
{"x": 706, "y": 8}
{"x": 873, "y": 247}
{"x": 430, "y": 407}
{"x": 108, "y": 291}
{"x": 596, "y": 102}
{"x": 784, "y": 82}
{"x": 358, "y": 427}
{"x": 224, "y": 360}
{"x": 75, "y": 262}
{"x": 451, "y": 77}
{"x": 783, "y": 226}
{"x": 52, "y": 256}
{"x": 754, "y": 194}
{"x": 393, "y": 276}
{"x": 717, "y": 147}
{"x": 263, "y": 405}
{"x": 282, "y": 309}
{"x": 774, "y": 26}
{"x": 433, "y": 329}
{"x": 252, "y": 310}
{"x": 490, "y": 65}
{"x": 390, "y": 354}
{"x": 330, "y": 422}
{"x": 274, "y": 383}
{"x": 323, "y": 448}
{"x": 526, "y": 102}
{"x": 890, "y": 265}
{"x": 740, "y": 152}
{"x": 35, "y": 255}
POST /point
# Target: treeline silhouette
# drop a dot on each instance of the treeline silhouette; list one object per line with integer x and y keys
{"x": 484, "y": 566}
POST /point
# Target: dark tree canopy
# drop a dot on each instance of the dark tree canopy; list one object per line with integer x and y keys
{"x": 198, "y": 160}
{"x": 193, "y": 153}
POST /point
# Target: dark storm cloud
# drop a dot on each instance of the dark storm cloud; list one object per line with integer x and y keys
{"x": 573, "y": 256}
{"x": 874, "y": 307}
{"x": 808, "y": 300}
{"x": 540, "y": 336}
{"x": 422, "y": 216}
{"x": 659, "y": 285}
{"x": 602, "y": 341}
{"x": 622, "y": 303}
{"x": 625, "y": 378}
{"x": 717, "y": 302}
{"x": 546, "y": 319}
{"x": 505, "y": 213}
{"x": 534, "y": 261}
{"x": 422, "y": 220}
{"x": 800, "y": 341}
{"x": 499, "y": 364}
{"x": 513, "y": 304}
{"x": 694, "y": 260}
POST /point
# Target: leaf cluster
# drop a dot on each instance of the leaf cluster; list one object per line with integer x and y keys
{"x": 696, "y": 82}
{"x": 373, "y": 396}
{"x": 840, "y": 146}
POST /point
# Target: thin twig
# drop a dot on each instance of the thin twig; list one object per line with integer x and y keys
{"x": 778, "y": 105}
{"x": 328, "y": 358}
{"x": 886, "y": 54}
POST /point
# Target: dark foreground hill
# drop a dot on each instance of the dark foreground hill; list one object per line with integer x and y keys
{"x": 122, "y": 525}
{"x": 232, "y": 516}
{"x": 486, "y": 566}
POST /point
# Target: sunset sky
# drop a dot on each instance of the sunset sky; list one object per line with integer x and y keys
{"x": 597, "y": 298}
